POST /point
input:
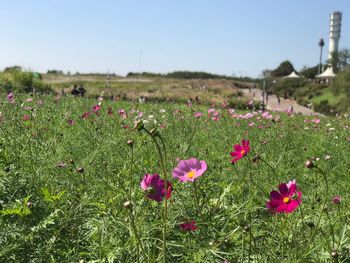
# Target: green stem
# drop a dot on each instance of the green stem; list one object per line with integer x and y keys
{"x": 314, "y": 231}
{"x": 273, "y": 169}
{"x": 134, "y": 229}
{"x": 165, "y": 185}
{"x": 196, "y": 197}
{"x": 324, "y": 177}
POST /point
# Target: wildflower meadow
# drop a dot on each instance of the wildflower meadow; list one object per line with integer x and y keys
{"x": 86, "y": 180}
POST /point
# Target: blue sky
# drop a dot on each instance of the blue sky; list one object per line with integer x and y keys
{"x": 224, "y": 36}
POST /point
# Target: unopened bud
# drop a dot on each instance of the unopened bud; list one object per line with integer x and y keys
{"x": 309, "y": 164}
{"x": 334, "y": 253}
{"x": 80, "y": 170}
{"x": 154, "y": 132}
{"x": 336, "y": 199}
{"x": 128, "y": 205}
{"x": 256, "y": 158}
{"x": 138, "y": 125}
{"x": 29, "y": 204}
{"x": 130, "y": 142}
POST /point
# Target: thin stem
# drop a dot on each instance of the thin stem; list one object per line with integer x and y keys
{"x": 273, "y": 169}
{"x": 324, "y": 177}
{"x": 165, "y": 185}
{"x": 134, "y": 228}
{"x": 131, "y": 174}
{"x": 196, "y": 197}
{"x": 314, "y": 231}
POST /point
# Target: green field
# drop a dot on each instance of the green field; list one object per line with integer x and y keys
{"x": 70, "y": 184}
{"x": 153, "y": 88}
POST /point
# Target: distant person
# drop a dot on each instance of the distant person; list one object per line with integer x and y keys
{"x": 278, "y": 99}
{"x": 81, "y": 90}
{"x": 197, "y": 100}
{"x": 75, "y": 91}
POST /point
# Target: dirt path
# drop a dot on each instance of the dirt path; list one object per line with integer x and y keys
{"x": 284, "y": 105}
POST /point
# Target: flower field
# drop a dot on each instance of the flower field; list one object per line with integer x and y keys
{"x": 85, "y": 180}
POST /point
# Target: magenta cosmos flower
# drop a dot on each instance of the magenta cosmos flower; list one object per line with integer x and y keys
{"x": 188, "y": 170}
{"x": 189, "y": 226}
{"x": 240, "y": 150}
{"x": 155, "y": 187}
{"x": 96, "y": 108}
{"x": 286, "y": 200}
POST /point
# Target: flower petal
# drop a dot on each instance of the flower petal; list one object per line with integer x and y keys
{"x": 283, "y": 189}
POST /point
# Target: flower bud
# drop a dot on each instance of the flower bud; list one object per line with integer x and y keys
{"x": 128, "y": 205}
{"x": 336, "y": 199}
{"x": 130, "y": 143}
{"x": 309, "y": 164}
{"x": 29, "y": 204}
{"x": 138, "y": 125}
{"x": 80, "y": 170}
{"x": 334, "y": 254}
{"x": 154, "y": 132}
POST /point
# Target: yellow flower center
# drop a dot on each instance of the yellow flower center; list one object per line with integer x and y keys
{"x": 242, "y": 152}
{"x": 191, "y": 174}
{"x": 286, "y": 200}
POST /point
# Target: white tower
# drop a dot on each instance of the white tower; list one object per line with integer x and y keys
{"x": 334, "y": 33}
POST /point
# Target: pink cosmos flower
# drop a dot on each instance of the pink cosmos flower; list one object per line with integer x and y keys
{"x": 70, "y": 122}
{"x": 189, "y": 170}
{"x": 198, "y": 114}
{"x": 189, "y": 226}
{"x": 123, "y": 114}
{"x": 25, "y": 117}
{"x": 155, "y": 187}
{"x": 61, "y": 165}
{"x": 286, "y": 200}
{"x": 240, "y": 150}
{"x": 96, "y": 108}
{"x": 10, "y": 97}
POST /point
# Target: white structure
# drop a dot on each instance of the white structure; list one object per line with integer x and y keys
{"x": 327, "y": 74}
{"x": 293, "y": 75}
{"x": 334, "y": 33}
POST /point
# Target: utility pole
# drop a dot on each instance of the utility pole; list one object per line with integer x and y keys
{"x": 321, "y": 44}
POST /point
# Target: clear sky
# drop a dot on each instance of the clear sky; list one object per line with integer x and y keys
{"x": 241, "y": 37}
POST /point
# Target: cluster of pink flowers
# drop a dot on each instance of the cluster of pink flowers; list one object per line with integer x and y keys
{"x": 185, "y": 171}
{"x": 213, "y": 114}
{"x": 317, "y": 121}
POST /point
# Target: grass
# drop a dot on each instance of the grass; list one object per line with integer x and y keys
{"x": 327, "y": 94}
{"x": 208, "y": 91}
{"x": 71, "y": 192}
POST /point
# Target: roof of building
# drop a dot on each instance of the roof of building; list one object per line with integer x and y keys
{"x": 328, "y": 73}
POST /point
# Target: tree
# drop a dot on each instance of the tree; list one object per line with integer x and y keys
{"x": 284, "y": 69}
{"x": 309, "y": 72}
{"x": 340, "y": 59}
